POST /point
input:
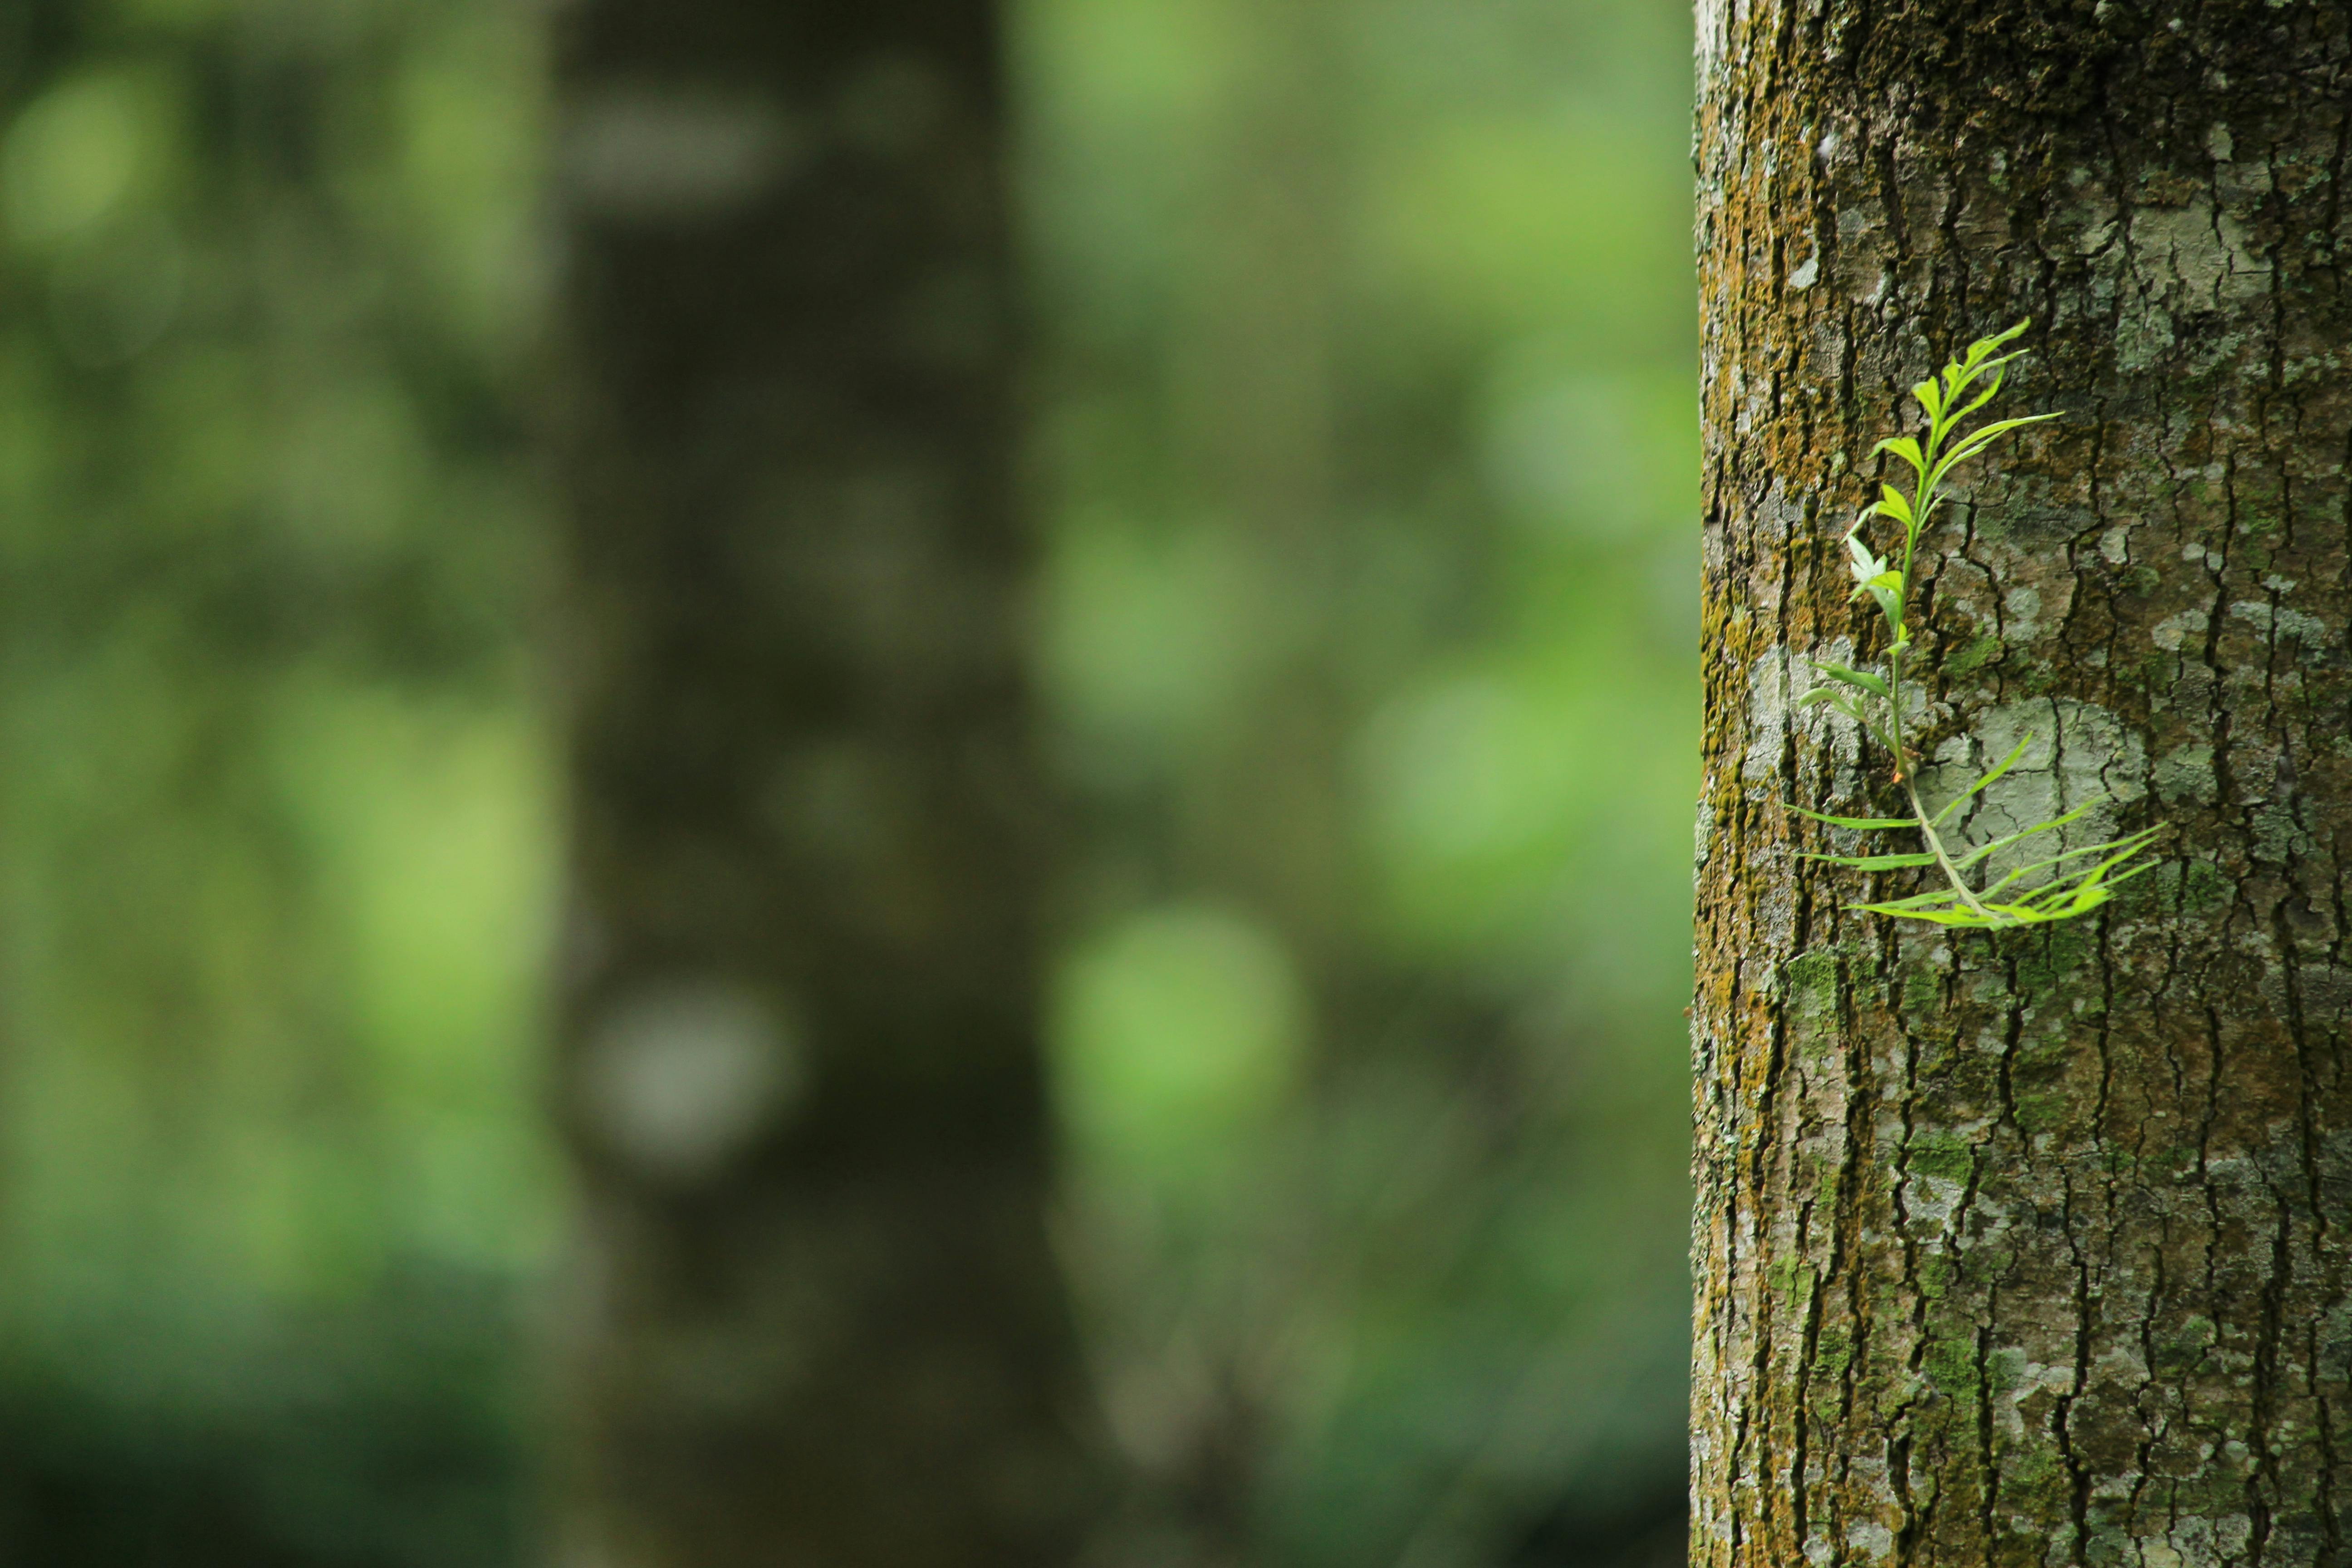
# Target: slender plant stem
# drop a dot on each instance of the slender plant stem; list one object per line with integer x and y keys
{"x": 1895, "y": 715}
{"x": 1944, "y": 856}
{"x": 1905, "y": 773}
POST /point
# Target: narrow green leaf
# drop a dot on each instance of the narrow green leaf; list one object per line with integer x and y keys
{"x": 1959, "y": 377}
{"x": 2000, "y": 377}
{"x": 2125, "y": 847}
{"x": 2000, "y": 338}
{"x": 1928, "y": 900}
{"x": 1999, "y": 428}
{"x": 1873, "y": 862}
{"x": 1957, "y": 917}
{"x": 1904, "y": 447}
{"x": 1860, "y": 678}
{"x": 2142, "y": 870}
{"x": 1982, "y": 347}
{"x": 2023, "y": 834}
{"x": 1894, "y": 503}
{"x": 2078, "y": 900}
{"x": 1865, "y": 564}
{"x": 2097, "y": 876}
{"x": 1977, "y": 440}
{"x": 1842, "y": 701}
{"x": 2017, "y": 915}
{"x": 1860, "y": 824}
{"x": 1887, "y": 589}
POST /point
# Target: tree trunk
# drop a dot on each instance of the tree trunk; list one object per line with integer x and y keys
{"x": 2030, "y": 1248}
{"x": 817, "y": 1319}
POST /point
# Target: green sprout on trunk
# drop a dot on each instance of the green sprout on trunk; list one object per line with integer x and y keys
{"x": 2070, "y": 884}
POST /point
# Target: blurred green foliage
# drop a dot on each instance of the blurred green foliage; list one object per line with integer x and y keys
{"x": 1369, "y": 454}
{"x": 275, "y": 826}
{"x": 1366, "y": 463}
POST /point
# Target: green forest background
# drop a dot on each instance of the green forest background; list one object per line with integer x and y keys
{"x": 1363, "y": 449}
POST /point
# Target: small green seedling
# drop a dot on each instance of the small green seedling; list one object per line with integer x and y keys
{"x": 2070, "y": 884}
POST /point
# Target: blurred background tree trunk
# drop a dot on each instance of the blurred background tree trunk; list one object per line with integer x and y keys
{"x": 818, "y": 1320}
{"x": 2029, "y": 1248}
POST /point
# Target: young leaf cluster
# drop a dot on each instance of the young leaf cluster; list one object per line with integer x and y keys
{"x": 2056, "y": 887}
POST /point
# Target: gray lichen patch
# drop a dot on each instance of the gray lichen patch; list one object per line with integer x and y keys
{"x": 2195, "y": 257}
{"x": 2186, "y": 772}
{"x": 2280, "y": 625}
{"x": 1768, "y": 698}
{"x": 2077, "y": 754}
{"x": 2183, "y": 628}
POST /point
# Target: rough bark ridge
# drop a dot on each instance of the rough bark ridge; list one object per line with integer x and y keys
{"x": 2033, "y": 1249}
{"x": 818, "y": 1320}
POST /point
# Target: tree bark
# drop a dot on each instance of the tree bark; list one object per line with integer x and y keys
{"x": 816, "y": 1319}
{"x": 2030, "y": 1248}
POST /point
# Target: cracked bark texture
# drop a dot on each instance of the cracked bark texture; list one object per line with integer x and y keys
{"x": 814, "y": 1316}
{"x": 2030, "y": 1248}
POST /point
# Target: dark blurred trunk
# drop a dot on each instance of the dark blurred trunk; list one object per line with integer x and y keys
{"x": 816, "y": 1317}
{"x": 2030, "y": 1248}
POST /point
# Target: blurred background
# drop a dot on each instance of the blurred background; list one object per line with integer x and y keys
{"x": 1363, "y": 449}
